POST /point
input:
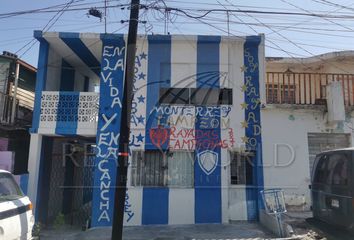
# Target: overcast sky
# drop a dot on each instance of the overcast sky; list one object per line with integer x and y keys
{"x": 286, "y": 35}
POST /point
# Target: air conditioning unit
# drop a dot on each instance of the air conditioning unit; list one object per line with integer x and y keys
{"x": 335, "y": 102}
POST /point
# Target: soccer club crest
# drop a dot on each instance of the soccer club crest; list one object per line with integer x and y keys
{"x": 208, "y": 161}
{"x": 159, "y": 136}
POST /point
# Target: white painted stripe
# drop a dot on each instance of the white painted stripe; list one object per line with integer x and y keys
{"x": 181, "y": 206}
{"x": 236, "y": 83}
{"x": 85, "y": 112}
{"x": 48, "y": 125}
{"x": 79, "y": 82}
{"x": 183, "y": 75}
{"x": 133, "y": 207}
{"x": 140, "y": 82}
{"x": 261, "y": 58}
{"x": 93, "y": 42}
{"x": 60, "y": 47}
{"x": 224, "y": 82}
{"x": 34, "y": 159}
{"x": 52, "y": 84}
{"x": 137, "y": 135}
{"x": 237, "y": 203}
{"x": 183, "y": 58}
{"x": 231, "y": 61}
{"x": 53, "y": 70}
{"x": 136, "y": 193}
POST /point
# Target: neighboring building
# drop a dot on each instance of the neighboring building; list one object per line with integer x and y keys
{"x": 196, "y": 145}
{"x": 306, "y": 113}
{"x": 15, "y": 119}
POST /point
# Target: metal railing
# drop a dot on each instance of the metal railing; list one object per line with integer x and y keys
{"x": 24, "y": 97}
{"x": 306, "y": 88}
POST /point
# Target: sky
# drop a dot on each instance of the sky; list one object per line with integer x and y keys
{"x": 286, "y": 35}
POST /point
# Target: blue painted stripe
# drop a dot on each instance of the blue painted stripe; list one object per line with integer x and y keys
{"x": 107, "y": 139}
{"x": 155, "y": 200}
{"x": 44, "y": 172}
{"x": 67, "y": 113}
{"x": 159, "y": 75}
{"x": 73, "y": 41}
{"x": 207, "y": 184}
{"x": 40, "y": 83}
{"x": 155, "y": 206}
{"x": 67, "y": 78}
{"x": 252, "y": 132}
{"x": 24, "y": 183}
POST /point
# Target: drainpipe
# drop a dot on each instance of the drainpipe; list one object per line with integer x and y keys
{"x": 13, "y": 109}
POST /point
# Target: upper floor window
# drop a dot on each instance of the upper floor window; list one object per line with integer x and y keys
{"x": 281, "y": 93}
{"x": 174, "y": 95}
{"x": 196, "y": 96}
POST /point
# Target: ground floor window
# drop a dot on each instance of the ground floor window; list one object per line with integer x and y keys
{"x": 180, "y": 169}
{"x": 157, "y": 168}
{"x": 148, "y": 168}
{"x": 241, "y": 168}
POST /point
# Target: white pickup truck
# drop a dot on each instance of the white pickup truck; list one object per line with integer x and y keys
{"x": 16, "y": 218}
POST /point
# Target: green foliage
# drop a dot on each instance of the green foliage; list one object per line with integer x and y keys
{"x": 36, "y": 229}
{"x": 59, "y": 220}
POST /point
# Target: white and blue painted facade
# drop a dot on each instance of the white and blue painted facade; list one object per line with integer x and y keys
{"x": 73, "y": 66}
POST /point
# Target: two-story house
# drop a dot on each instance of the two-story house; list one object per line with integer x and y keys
{"x": 196, "y": 140}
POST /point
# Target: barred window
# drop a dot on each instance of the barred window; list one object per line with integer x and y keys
{"x": 241, "y": 168}
{"x": 154, "y": 168}
{"x": 148, "y": 168}
{"x": 180, "y": 169}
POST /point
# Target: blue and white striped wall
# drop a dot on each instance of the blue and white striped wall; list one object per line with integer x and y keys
{"x": 171, "y": 61}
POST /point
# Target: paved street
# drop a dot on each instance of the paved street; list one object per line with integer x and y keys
{"x": 181, "y": 232}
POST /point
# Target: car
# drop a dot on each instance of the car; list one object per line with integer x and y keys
{"x": 16, "y": 217}
{"x": 332, "y": 187}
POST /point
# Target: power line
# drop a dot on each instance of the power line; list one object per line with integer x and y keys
{"x": 298, "y": 46}
{"x": 329, "y": 3}
{"x": 285, "y": 1}
{"x": 202, "y": 12}
{"x": 49, "y": 24}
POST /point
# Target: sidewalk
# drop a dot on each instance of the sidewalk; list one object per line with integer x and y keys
{"x": 240, "y": 230}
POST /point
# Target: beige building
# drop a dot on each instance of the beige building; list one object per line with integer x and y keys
{"x": 304, "y": 114}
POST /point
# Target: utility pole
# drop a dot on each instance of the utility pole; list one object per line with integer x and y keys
{"x": 13, "y": 109}
{"x": 122, "y": 167}
{"x": 105, "y": 16}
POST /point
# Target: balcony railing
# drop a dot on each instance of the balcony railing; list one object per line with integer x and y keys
{"x": 24, "y": 97}
{"x": 305, "y": 88}
{"x": 77, "y": 110}
{"x": 6, "y": 109}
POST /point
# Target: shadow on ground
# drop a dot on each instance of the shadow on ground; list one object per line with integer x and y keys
{"x": 241, "y": 230}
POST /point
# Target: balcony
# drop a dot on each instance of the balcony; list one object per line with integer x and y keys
{"x": 66, "y": 113}
{"x": 305, "y": 88}
{"x": 18, "y": 115}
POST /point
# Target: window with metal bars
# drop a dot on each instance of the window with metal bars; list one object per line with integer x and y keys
{"x": 180, "y": 169}
{"x": 154, "y": 168}
{"x": 148, "y": 168}
{"x": 241, "y": 168}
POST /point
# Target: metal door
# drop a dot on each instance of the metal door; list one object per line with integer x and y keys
{"x": 319, "y": 142}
